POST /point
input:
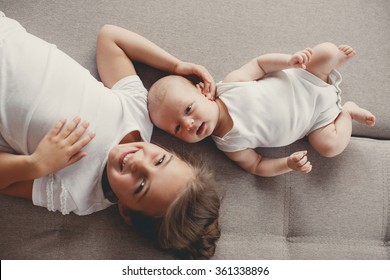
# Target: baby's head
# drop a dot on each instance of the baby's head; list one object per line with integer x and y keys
{"x": 178, "y": 106}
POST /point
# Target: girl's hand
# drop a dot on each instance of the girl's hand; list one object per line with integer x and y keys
{"x": 61, "y": 146}
{"x": 301, "y": 58}
{"x": 188, "y": 68}
{"x": 298, "y": 161}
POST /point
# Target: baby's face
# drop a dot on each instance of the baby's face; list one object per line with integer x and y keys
{"x": 186, "y": 113}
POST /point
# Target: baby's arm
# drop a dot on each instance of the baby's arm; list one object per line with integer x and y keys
{"x": 59, "y": 148}
{"x": 254, "y": 163}
{"x": 258, "y": 67}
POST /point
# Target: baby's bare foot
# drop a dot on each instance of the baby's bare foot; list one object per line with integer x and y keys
{"x": 360, "y": 115}
{"x": 346, "y": 52}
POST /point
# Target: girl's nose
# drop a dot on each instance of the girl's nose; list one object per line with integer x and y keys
{"x": 139, "y": 162}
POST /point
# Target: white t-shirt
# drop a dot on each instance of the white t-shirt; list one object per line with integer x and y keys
{"x": 41, "y": 85}
{"x": 278, "y": 109}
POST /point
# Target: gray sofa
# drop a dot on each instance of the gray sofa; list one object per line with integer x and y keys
{"x": 341, "y": 210}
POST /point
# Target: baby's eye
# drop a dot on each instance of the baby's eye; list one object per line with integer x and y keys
{"x": 140, "y": 187}
{"x": 161, "y": 160}
{"x": 188, "y": 109}
{"x": 177, "y": 128}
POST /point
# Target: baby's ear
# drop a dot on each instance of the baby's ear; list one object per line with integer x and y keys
{"x": 207, "y": 94}
{"x": 123, "y": 211}
{"x": 200, "y": 86}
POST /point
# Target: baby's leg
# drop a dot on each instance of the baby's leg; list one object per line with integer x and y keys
{"x": 332, "y": 139}
{"x": 326, "y": 57}
{"x": 359, "y": 114}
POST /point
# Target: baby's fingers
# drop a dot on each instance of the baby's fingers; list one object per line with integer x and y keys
{"x": 304, "y": 57}
{"x": 307, "y": 53}
{"x": 298, "y": 156}
{"x": 302, "y": 162}
{"x": 306, "y": 168}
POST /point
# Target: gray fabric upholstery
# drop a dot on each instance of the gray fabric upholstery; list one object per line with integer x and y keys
{"x": 341, "y": 210}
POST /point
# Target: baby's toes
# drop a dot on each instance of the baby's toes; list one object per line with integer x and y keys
{"x": 370, "y": 120}
{"x": 343, "y": 47}
{"x": 348, "y": 50}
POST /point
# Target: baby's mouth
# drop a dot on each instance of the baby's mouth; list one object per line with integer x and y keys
{"x": 200, "y": 129}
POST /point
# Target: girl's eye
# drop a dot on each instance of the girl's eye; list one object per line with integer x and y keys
{"x": 140, "y": 187}
{"x": 177, "y": 128}
{"x": 188, "y": 109}
{"x": 161, "y": 160}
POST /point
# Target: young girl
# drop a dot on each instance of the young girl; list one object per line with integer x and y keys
{"x": 265, "y": 104}
{"x": 83, "y": 167}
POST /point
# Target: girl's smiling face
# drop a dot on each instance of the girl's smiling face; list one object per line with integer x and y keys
{"x": 146, "y": 177}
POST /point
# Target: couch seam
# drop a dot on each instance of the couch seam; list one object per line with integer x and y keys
{"x": 287, "y": 208}
{"x": 384, "y": 214}
{"x": 386, "y": 200}
{"x": 326, "y": 240}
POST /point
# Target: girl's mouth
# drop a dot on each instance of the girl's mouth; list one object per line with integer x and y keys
{"x": 124, "y": 158}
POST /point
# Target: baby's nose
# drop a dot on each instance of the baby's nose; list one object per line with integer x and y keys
{"x": 189, "y": 123}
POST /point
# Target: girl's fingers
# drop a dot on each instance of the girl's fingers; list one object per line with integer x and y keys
{"x": 80, "y": 144}
{"x": 56, "y": 128}
{"x": 76, "y": 134}
{"x": 68, "y": 128}
{"x": 77, "y": 157}
{"x": 208, "y": 82}
{"x": 71, "y": 136}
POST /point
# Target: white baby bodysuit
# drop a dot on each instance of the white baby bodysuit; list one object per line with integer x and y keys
{"x": 279, "y": 109}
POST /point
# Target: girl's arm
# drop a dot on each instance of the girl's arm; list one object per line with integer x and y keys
{"x": 117, "y": 48}
{"x": 258, "y": 67}
{"x": 22, "y": 189}
{"x": 59, "y": 148}
{"x": 254, "y": 163}
{"x": 14, "y": 168}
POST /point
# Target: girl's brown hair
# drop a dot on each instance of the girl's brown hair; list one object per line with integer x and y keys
{"x": 190, "y": 227}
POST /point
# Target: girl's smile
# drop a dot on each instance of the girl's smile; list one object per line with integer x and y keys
{"x": 146, "y": 177}
{"x": 124, "y": 158}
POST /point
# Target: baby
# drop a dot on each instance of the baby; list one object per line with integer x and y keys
{"x": 272, "y": 101}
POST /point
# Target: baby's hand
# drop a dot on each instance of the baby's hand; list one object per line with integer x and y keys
{"x": 298, "y": 161}
{"x": 62, "y": 146}
{"x": 301, "y": 58}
